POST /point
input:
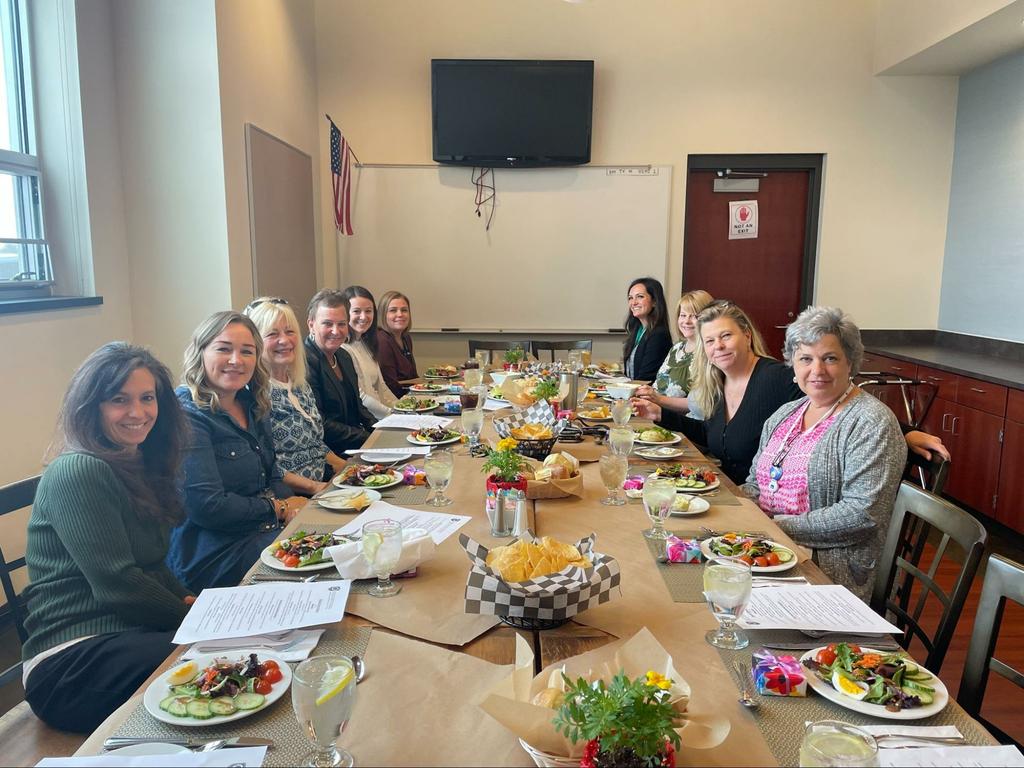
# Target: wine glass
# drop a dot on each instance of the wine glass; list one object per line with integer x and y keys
{"x": 582, "y": 390}
{"x": 727, "y": 590}
{"x": 832, "y": 743}
{"x": 437, "y": 466}
{"x": 621, "y": 411}
{"x": 382, "y": 548}
{"x": 472, "y": 423}
{"x": 473, "y": 377}
{"x": 620, "y": 440}
{"x": 483, "y": 356}
{"x": 613, "y": 475}
{"x": 659, "y": 493}
{"x": 323, "y": 693}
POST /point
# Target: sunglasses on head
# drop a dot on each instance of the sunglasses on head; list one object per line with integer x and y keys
{"x": 272, "y": 300}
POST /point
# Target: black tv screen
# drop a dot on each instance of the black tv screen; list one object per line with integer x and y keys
{"x": 512, "y": 114}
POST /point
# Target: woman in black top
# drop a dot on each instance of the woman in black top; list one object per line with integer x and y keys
{"x": 648, "y": 339}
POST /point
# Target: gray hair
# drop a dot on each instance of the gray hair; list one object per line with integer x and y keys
{"x": 814, "y": 323}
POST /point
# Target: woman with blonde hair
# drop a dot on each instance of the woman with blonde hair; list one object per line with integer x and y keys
{"x": 295, "y": 420}
{"x": 394, "y": 349}
{"x": 235, "y": 496}
{"x": 674, "y": 380}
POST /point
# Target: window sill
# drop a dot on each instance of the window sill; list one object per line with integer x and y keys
{"x": 14, "y": 306}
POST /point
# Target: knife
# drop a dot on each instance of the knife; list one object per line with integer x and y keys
{"x": 238, "y": 741}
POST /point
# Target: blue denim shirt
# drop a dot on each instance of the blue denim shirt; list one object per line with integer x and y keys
{"x": 225, "y": 469}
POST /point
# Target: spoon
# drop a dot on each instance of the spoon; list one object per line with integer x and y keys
{"x": 210, "y": 746}
{"x": 359, "y": 668}
{"x": 746, "y": 699}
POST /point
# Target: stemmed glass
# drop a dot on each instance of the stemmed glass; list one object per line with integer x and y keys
{"x": 472, "y": 423}
{"x": 613, "y": 475}
{"x": 437, "y": 466}
{"x": 620, "y": 440}
{"x": 830, "y": 742}
{"x": 659, "y": 493}
{"x": 473, "y": 377}
{"x": 727, "y": 590}
{"x": 483, "y": 356}
{"x": 382, "y": 548}
{"x": 621, "y": 412}
{"x": 582, "y": 390}
{"x": 323, "y": 693}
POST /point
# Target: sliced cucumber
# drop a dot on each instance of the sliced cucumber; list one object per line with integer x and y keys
{"x": 926, "y": 697}
{"x": 179, "y": 707}
{"x": 199, "y": 709}
{"x": 223, "y": 706}
{"x": 910, "y": 667}
{"x": 784, "y": 554}
{"x": 185, "y": 690}
{"x": 249, "y": 700}
{"x": 166, "y": 703}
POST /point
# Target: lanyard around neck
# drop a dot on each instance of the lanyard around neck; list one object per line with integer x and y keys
{"x": 790, "y": 438}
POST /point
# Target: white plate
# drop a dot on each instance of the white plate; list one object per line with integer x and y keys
{"x": 706, "y": 489}
{"x": 878, "y": 710}
{"x": 339, "y": 500}
{"x": 705, "y": 547}
{"x": 418, "y": 409}
{"x": 698, "y": 506}
{"x": 428, "y": 389}
{"x": 414, "y": 441}
{"x": 661, "y": 453}
{"x": 155, "y": 748}
{"x": 441, "y": 376}
{"x": 675, "y": 439}
{"x": 268, "y": 559}
{"x": 372, "y": 457}
{"x": 396, "y": 479}
{"x": 634, "y": 493}
{"x": 158, "y": 690}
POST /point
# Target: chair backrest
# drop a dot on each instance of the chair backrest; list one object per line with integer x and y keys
{"x": 13, "y": 497}
{"x": 930, "y": 474}
{"x": 901, "y": 579}
{"x": 500, "y": 346}
{"x": 552, "y": 346}
{"x": 1004, "y": 580}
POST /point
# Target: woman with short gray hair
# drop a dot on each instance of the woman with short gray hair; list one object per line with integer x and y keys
{"x": 830, "y": 463}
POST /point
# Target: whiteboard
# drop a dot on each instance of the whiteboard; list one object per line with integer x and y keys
{"x": 563, "y": 246}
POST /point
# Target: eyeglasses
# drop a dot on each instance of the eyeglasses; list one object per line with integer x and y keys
{"x": 270, "y": 300}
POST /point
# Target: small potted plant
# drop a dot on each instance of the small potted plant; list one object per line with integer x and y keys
{"x": 504, "y": 467}
{"x": 625, "y": 723}
{"x": 547, "y": 390}
{"x": 513, "y": 357}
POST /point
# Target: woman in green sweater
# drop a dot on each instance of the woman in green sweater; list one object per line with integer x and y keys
{"x": 102, "y": 606}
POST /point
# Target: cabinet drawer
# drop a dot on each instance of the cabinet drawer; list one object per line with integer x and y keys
{"x": 1015, "y": 405}
{"x": 982, "y": 395}
{"x": 945, "y": 381}
{"x": 874, "y": 363}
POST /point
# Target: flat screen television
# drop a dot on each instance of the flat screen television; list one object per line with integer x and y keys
{"x": 503, "y": 113}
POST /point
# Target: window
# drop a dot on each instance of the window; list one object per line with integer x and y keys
{"x": 24, "y": 254}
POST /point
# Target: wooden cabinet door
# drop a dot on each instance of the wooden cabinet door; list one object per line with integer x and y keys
{"x": 1010, "y": 505}
{"x": 974, "y": 474}
{"x": 891, "y": 395}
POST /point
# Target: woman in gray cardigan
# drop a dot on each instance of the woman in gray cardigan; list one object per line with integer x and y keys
{"x": 829, "y": 464}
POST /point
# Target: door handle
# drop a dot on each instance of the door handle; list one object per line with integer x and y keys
{"x": 955, "y": 420}
{"x": 979, "y": 391}
{"x": 944, "y": 417}
{"x": 782, "y": 327}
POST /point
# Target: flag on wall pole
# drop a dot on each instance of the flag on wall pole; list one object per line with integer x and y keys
{"x": 341, "y": 173}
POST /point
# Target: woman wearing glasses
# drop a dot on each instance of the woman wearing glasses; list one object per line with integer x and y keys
{"x": 647, "y": 336}
{"x": 362, "y": 345}
{"x": 394, "y": 352}
{"x": 296, "y": 423}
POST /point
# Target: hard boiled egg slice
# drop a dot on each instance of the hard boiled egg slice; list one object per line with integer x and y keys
{"x": 184, "y": 673}
{"x": 848, "y": 687}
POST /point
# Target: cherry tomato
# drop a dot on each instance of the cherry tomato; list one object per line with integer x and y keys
{"x": 279, "y": 553}
{"x": 270, "y": 664}
{"x": 761, "y": 562}
{"x": 291, "y": 561}
{"x": 747, "y": 559}
{"x": 773, "y": 558}
{"x": 826, "y": 656}
{"x": 262, "y": 687}
{"x": 271, "y": 676}
{"x": 854, "y": 647}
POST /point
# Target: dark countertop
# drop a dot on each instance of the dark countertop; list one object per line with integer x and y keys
{"x": 1009, "y": 373}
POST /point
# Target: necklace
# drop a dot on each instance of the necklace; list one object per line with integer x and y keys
{"x": 332, "y": 362}
{"x": 775, "y": 472}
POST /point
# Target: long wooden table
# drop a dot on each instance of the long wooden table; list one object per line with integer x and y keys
{"x": 645, "y": 601}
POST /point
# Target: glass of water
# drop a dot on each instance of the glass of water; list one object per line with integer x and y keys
{"x": 382, "y": 548}
{"x": 483, "y": 356}
{"x": 613, "y": 475}
{"x": 472, "y": 423}
{"x": 727, "y": 590}
{"x": 659, "y": 494}
{"x": 831, "y": 743}
{"x": 437, "y": 466}
{"x": 620, "y": 440}
{"x": 473, "y": 377}
{"x": 622, "y": 410}
{"x": 323, "y": 693}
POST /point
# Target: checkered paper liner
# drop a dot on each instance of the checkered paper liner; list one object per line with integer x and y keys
{"x": 554, "y": 597}
{"x": 276, "y": 721}
{"x": 538, "y": 413}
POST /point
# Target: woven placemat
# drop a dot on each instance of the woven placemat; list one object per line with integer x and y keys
{"x": 781, "y": 718}
{"x": 276, "y": 721}
{"x": 406, "y": 494}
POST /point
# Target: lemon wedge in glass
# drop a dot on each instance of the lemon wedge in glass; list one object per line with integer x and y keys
{"x": 183, "y": 673}
{"x": 334, "y": 682}
{"x": 371, "y": 543}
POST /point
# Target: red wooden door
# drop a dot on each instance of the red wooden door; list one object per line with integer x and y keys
{"x": 1010, "y": 507}
{"x": 764, "y": 274}
{"x": 974, "y": 472}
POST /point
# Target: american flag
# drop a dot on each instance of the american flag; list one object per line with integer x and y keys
{"x": 341, "y": 170}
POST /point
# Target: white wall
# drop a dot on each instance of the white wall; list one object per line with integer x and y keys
{"x": 267, "y": 61}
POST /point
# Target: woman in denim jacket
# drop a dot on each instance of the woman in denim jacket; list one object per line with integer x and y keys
{"x": 234, "y": 494}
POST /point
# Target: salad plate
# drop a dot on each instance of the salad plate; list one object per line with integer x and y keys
{"x": 161, "y": 690}
{"x": 434, "y": 436}
{"x": 656, "y": 436}
{"x": 341, "y": 500}
{"x": 377, "y": 457}
{"x": 304, "y": 546}
{"x": 441, "y": 372}
{"x": 429, "y": 388}
{"x": 859, "y": 702}
{"x": 415, "y": 405}
{"x": 689, "y": 479}
{"x": 367, "y": 476}
{"x": 697, "y": 506}
{"x": 731, "y": 545}
{"x": 660, "y": 453}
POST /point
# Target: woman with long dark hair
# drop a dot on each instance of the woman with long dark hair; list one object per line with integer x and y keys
{"x": 102, "y": 605}
{"x": 648, "y": 338}
{"x": 362, "y": 346}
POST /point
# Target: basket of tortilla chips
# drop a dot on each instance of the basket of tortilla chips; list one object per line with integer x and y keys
{"x": 535, "y": 430}
{"x": 557, "y": 478}
{"x": 538, "y": 583}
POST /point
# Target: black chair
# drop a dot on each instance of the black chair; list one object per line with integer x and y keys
{"x": 930, "y": 474}
{"x": 552, "y": 346}
{"x": 13, "y": 497}
{"x": 1004, "y": 580}
{"x": 901, "y": 579}
{"x": 500, "y": 346}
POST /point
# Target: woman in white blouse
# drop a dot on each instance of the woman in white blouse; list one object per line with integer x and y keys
{"x": 362, "y": 347}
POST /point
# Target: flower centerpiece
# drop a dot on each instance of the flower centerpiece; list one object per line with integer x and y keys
{"x": 504, "y": 467}
{"x": 547, "y": 391}
{"x": 513, "y": 357}
{"x": 625, "y": 723}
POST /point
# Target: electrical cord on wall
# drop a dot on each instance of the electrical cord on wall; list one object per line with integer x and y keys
{"x": 485, "y": 192}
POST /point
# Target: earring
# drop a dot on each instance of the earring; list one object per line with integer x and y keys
{"x": 794, "y": 380}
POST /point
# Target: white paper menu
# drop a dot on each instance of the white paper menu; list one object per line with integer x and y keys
{"x": 962, "y": 757}
{"x": 411, "y": 421}
{"x": 438, "y": 524}
{"x": 221, "y": 758}
{"x": 261, "y": 608}
{"x": 828, "y": 607}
